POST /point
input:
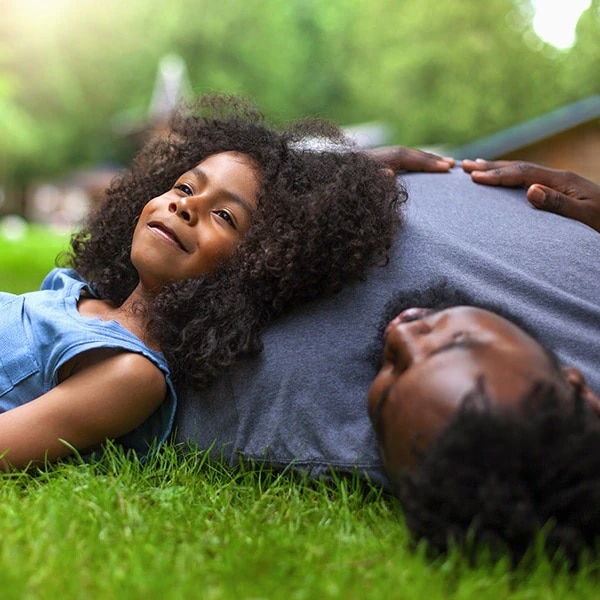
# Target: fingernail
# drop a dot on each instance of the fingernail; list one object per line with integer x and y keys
{"x": 537, "y": 196}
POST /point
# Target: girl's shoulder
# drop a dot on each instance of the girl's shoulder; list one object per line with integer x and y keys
{"x": 61, "y": 279}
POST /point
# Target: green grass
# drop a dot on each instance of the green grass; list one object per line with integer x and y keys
{"x": 180, "y": 526}
{"x": 25, "y": 261}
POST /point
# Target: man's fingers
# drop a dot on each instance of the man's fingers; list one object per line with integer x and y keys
{"x": 546, "y": 198}
{"x": 584, "y": 211}
{"x": 554, "y": 190}
{"x": 480, "y": 164}
{"x": 512, "y": 174}
{"x": 400, "y": 158}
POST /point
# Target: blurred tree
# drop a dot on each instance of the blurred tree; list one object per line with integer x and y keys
{"x": 583, "y": 69}
{"x": 450, "y": 72}
{"x": 77, "y": 63}
{"x": 72, "y": 71}
{"x": 18, "y": 141}
{"x": 17, "y": 129}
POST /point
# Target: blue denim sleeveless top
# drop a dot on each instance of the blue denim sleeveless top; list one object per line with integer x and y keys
{"x": 40, "y": 331}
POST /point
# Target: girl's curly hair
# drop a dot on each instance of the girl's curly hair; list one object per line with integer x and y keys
{"x": 323, "y": 218}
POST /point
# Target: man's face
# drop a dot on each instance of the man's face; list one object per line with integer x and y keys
{"x": 432, "y": 360}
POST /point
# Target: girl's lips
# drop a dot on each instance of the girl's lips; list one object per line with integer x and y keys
{"x": 166, "y": 233}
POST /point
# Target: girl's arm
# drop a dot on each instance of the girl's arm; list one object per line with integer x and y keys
{"x": 103, "y": 399}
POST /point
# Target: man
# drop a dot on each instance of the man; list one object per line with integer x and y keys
{"x": 485, "y": 436}
{"x": 303, "y": 400}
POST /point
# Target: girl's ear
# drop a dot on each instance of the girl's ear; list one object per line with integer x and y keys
{"x": 576, "y": 379}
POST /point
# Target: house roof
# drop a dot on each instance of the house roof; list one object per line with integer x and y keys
{"x": 532, "y": 131}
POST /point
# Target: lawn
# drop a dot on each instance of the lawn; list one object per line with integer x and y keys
{"x": 180, "y": 526}
{"x": 26, "y": 256}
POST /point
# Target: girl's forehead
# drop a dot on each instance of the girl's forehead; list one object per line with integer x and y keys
{"x": 232, "y": 159}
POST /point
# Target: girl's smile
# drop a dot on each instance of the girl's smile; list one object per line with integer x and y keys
{"x": 161, "y": 230}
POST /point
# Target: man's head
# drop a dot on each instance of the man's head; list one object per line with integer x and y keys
{"x": 446, "y": 368}
{"x": 433, "y": 358}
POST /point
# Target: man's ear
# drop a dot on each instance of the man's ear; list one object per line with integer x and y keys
{"x": 576, "y": 379}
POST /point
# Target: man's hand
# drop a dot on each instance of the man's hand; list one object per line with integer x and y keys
{"x": 399, "y": 158}
{"x": 562, "y": 192}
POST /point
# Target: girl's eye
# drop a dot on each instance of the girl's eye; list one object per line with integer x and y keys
{"x": 223, "y": 214}
{"x": 185, "y": 188}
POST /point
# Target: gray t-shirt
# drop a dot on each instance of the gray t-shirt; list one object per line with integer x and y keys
{"x": 303, "y": 400}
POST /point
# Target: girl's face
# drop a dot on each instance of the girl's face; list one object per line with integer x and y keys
{"x": 195, "y": 226}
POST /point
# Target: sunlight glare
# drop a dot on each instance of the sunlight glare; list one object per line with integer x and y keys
{"x": 555, "y": 20}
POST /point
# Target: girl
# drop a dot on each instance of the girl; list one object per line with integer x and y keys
{"x": 215, "y": 229}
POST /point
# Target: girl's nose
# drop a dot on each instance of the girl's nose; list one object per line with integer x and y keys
{"x": 186, "y": 209}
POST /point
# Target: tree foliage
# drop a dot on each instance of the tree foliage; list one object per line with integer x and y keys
{"x": 436, "y": 71}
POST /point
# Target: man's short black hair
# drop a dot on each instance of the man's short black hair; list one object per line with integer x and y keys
{"x": 499, "y": 479}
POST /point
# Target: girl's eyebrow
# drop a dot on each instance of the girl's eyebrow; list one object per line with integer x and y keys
{"x": 242, "y": 202}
